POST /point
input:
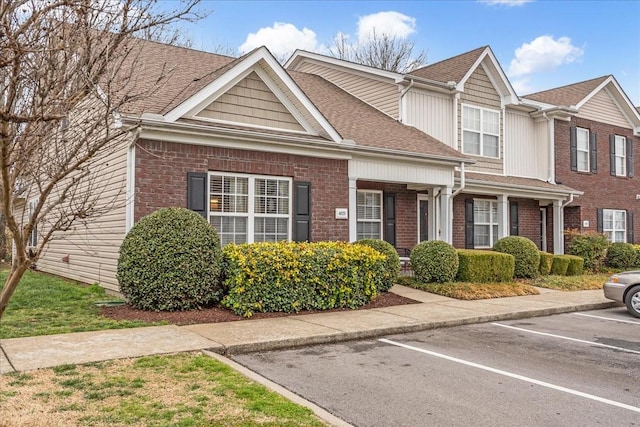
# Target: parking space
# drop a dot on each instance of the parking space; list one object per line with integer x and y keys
{"x": 570, "y": 369}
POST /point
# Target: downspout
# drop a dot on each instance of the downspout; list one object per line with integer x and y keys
{"x": 402, "y": 94}
{"x": 569, "y": 201}
{"x": 462, "y": 181}
{"x": 552, "y": 158}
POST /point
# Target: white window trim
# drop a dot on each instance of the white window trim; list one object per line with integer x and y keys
{"x": 579, "y": 150}
{"x": 482, "y": 131}
{"x": 250, "y": 214}
{"x": 623, "y": 156}
{"x": 379, "y": 221}
{"x": 33, "y": 237}
{"x": 491, "y": 224}
{"x": 611, "y": 232}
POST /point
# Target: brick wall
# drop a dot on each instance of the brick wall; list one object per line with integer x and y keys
{"x": 162, "y": 167}
{"x": 601, "y": 190}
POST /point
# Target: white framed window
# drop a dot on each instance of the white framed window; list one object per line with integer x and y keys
{"x": 33, "y": 236}
{"x": 614, "y": 224}
{"x": 620, "y": 153}
{"x": 369, "y": 214}
{"x": 485, "y": 223}
{"x": 480, "y": 131}
{"x": 247, "y": 208}
{"x": 582, "y": 149}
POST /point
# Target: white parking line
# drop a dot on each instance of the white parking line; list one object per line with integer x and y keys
{"x": 515, "y": 376}
{"x": 606, "y": 318}
{"x": 568, "y": 338}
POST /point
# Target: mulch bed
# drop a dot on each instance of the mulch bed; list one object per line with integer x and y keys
{"x": 219, "y": 314}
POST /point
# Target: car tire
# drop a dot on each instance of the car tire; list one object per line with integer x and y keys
{"x": 632, "y": 300}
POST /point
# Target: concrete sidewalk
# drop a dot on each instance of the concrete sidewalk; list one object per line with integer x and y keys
{"x": 433, "y": 311}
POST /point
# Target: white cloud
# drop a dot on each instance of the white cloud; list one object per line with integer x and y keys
{"x": 543, "y": 54}
{"x": 522, "y": 86}
{"x": 282, "y": 39}
{"x": 508, "y": 3}
{"x": 387, "y": 23}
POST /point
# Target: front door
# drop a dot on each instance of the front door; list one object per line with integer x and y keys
{"x": 423, "y": 223}
{"x": 543, "y": 229}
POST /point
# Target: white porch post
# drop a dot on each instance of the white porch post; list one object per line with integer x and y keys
{"x": 503, "y": 216}
{"x": 558, "y": 227}
{"x": 445, "y": 215}
{"x": 353, "y": 210}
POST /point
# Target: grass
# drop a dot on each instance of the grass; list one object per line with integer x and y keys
{"x": 45, "y": 305}
{"x": 571, "y": 283}
{"x": 472, "y": 291}
{"x": 176, "y": 390}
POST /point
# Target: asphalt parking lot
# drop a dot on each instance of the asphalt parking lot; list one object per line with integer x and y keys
{"x": 563, "y": 370}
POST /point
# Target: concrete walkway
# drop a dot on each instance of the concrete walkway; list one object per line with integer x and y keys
{"x": 24, "y": 354}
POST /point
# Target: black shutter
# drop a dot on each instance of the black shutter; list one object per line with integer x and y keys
{"x": 600, "y": 221}
{"x": 612, "y": 154}
{"x": 468, "y": 224}
{"x": 197, "y": 192}
{"x": 390, "y": 218}
{"x": 593, "y": 149}
{"x": 573, "y": 133}
{"x": 302, "y": 211}
{"x": 513, "y": 219}
{"x": 630, "y": 157}
{"x": 630, "y": 237}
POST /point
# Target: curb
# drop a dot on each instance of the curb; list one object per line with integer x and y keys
{"x": 393, "y": 330}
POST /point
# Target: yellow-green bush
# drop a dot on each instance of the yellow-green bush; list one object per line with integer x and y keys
{"x": 289, "y": 276}
{"x": 560, "y": 264}
{"x": 546, "y": 259}
{"x": 484, "y": 266}
{"x": 576, "y": 265}
{"x": 392, "y": 263}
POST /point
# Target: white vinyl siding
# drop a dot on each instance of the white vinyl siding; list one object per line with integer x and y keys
{"x": 526, "y": 144}
{"x": 604, "y": 109}
{"x": 480, "y": 132}
{"x": 369, "y": 214}
{"x": 245, "y": 208}
{"x": 485, "y": 223}
{"x": 582, "y": 146}
{"x": 620, "y": 155}
{"x": 614, "y": 224}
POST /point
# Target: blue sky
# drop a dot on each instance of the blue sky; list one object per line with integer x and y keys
{"x": 540, "y": 44}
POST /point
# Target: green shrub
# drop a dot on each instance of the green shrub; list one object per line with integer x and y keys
{"x": 484, "y": 266}
{"x": 576, "y": 265}
{"x": 560, "y": 265}
{"x": 434, "y": 261}
{"x": 591, "y": 247}
{"x": 525, "y": 252}
{"x": 289, "y": 276}
{"x": 622, "y": 255}
{"x": 391, "y": 265}
{"x": 546, "y": 259}
{"x": 171, "y": 260}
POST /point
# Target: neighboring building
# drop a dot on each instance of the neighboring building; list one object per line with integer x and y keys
{"x": 597, "y": 147}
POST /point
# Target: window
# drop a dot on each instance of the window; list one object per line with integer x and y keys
{"x": 250, "y": 209}
{"x": 620, "y": 154}
{"x": 480, "y": 132}
{"x": 485, "y": 219}
{"x": 582, "y": 146}
{"x": 369, "y": 214}
{"x": 614, "y": 224}
{"x": 33, "y": 237}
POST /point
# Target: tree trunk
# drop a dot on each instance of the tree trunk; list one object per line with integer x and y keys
{"x": 10, "y": 285}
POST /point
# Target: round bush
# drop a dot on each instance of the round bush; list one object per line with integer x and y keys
{"x": 525, "y": 252}
{"x": 171, "y": 261}
{"x": 392, "y": 263}
{"x": 622, "y": 255}
{"x": 434, "y": 261}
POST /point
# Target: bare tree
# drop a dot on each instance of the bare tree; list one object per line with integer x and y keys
{"x": 67, "y": 67}
{"x": 384, "y": 51}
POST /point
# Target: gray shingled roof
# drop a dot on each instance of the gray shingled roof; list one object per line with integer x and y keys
{"x": 567, "y": 95}
{"x": 451, "y": 69}
{"x": 516, "y": 181}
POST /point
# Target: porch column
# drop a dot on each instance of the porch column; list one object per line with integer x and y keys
{"x": 353, "y": 210}
{"x": 503, "y": 216}
{"x": 558, "y": 227}
{"x": 445, "y": 216}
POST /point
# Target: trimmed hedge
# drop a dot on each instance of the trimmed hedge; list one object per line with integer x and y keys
{"x": 289, "y": 276}
{"x": 391, "y": 265}
{"x": 171, "y": 261}
{"x": 560, "y": 265}
{"x": 484, "y": 266}
{"x": 576, "y": 265}
{"x": 591, "y": 247}
{"x": 622, "y": 255}
{"x": 526, "y": 253}
{"x": 546, "y": 259}
{"x": 434, "y": 261}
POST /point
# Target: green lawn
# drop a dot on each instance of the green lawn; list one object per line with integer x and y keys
{"x": 45, "y": 305}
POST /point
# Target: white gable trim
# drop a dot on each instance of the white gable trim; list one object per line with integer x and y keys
{"x": 251, "y": 63}
{"x": 620, "y": 98}
{"x": 300, "y": 55}
{"x": 507, "y": 98}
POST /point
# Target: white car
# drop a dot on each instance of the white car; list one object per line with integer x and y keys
{"x": 625, "y": 287}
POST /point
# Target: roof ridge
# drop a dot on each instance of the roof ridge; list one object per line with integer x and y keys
{"x": 451, "y": 58}
{"x": 604, "y": 77}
